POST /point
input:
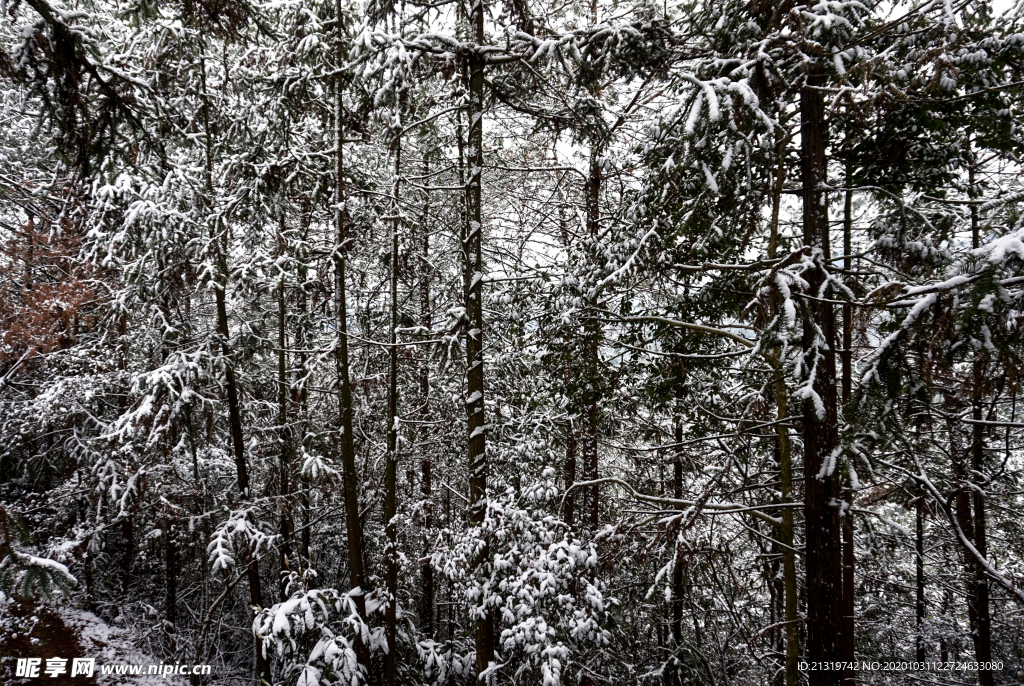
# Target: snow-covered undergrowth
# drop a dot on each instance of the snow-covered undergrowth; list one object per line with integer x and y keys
{"x": 36, "y": 630}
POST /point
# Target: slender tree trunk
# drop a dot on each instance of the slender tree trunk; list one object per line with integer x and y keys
{"x": 786, "y": 536}
{"x": 680, "y": 561}
{"x": 965, "y": 519}
{"x": 947, "y": 603}
{"x": 569, "y": 467}
{"x": 847, "y": 645}
{"x": 592, "y": 336}
{"x": 171, "y": 574}
{"x": 824, "y": 581}
{"x": 238, "y": 447}
{"x": 301, "y": 394}
{"x": 90, "y": 586}
{"x": 353, "y": 524}
{"x": 426, "y": 475}
{"x": 391, "y": 466}
{"x": 474, "y": 312}
{"x": 777, "y": 603}
{"x": 128, "y": 525}
{"x": 591, "y": 505}
{"x": 450, "y": 607}
{"x": 285, "y": 467}
{"x": 919, "y": 565}
{"x": 234, "y": 409}
{"x": 128, "y": 554}
{"x": 847, "y": 354}
{"x": 786, "y": 530}
{"x": 569, "y": 512}
{"x": 983, "y": 640}
{"x": 460, "y": 141}
{"x": 677, "y": 570}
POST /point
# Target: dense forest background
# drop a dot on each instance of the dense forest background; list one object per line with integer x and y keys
{"x": 520, "y": 341}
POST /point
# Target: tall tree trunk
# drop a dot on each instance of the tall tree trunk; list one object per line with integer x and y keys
{"x": 299, "y": 391}
{"x": 919, "y": 567}
{"x": 426, "y": 476}
{"x": 786, "y": 530}
{"x": 847, "y": 636}
{"x": 234, "y": 408}
{"x": 820, "y": 420}
{"x": 964, "y": 518}
{"x": 171, "y": 574}
{"x": 90, "y": 586}
{"x": 128, "y": 525}
{"x": 569, "y": 466}
{"x": 284, "y": 427}
{"x": 847, "y": 354}
{"x": 983, "y": 642}
{"x": 391, "y": 464}
{"x": 449, "y": 605}
{"x": 460, "y": 141}
{"x": 677, "y": 571}
{"x": 592, "y": 328}
{"x": 569, "y": 471}
{"x": 678, "y": 567}
{"x": 947, "y": 604}
{"x": 474, "y": 312}
{"x": 219, "y": 242}
{"x": 353, "y": 524}
{"x": 128, "y": 554}
{"x": 238, "y": 447}
{"x": 591, "y": 501}
{"x": 983, "y": 639}
{"x": 592, "y": 336}
{"x": 786, "y": 536}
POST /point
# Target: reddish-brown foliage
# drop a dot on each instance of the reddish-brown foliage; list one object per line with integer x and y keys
{"x": 45, "y": 296}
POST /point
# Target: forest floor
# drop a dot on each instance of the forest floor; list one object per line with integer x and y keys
{"x": 34, "y": 630}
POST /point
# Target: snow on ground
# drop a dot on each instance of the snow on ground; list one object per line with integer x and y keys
{"x": 113, "y": 646}
{"x": 30, "y": 629}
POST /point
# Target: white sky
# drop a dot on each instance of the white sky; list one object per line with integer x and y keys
{"x": 1001, "y": 6}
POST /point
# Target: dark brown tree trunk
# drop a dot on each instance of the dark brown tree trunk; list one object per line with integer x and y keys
{"x": 820, "y": 421}
{"x": 128, "y": 554}
{"x": 219, "y": 242}
{"x": 569, "y": 512}
{"x": 300, "y": 393}
{"x": 983, "y": 639}
{"x": 171, "y": 574}
{"x": 673, "y": 670}
{"x": 426, "y": 475}
{"x": 785, "y": 455}
{"x": 234, "y": 409}
{"x": 252, "y": 566}
{"x": 426, "y": 568}
{"x": 847, "y": 637}
{"x": 919, "y": 566}
{"x": 391, "y": 463}
{"x": 474, "y": 312}
{"x": 947, "y": 604}
{"x": 592, "y": 334}
{"x": 353, "y": 524}
{"x": 90, "y": 585}
{"x": 284, "y": 427}
{"x": 847, "y": 354}
{"x": 592, "y": 494}
{"x": 964, "y": 518}
{"x": 571, "y": 429}
{"x": 460, "y": 141}
{"x": 677, "y": 570}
